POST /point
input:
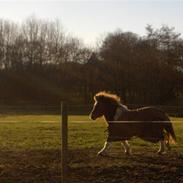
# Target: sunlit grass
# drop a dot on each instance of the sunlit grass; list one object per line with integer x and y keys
{"x": 44, "y": 132}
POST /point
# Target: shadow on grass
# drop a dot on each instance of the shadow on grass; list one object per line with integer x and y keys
{"x": 30, "y": 166}
{"x": 141, "y": 167}
{"x": 44, "y": 166}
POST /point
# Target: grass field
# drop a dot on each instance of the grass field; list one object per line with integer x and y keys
{"x": 30, "y": 152}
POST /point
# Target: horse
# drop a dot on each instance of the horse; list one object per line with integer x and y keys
{"x": 148, "y": 123}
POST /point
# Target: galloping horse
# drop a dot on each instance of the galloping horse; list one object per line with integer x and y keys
{"x": 147, "y": 123}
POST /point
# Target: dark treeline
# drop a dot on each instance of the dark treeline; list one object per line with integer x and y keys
{"x": 41, "y": 64}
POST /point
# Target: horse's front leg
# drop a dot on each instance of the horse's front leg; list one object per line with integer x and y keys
{"x": 104, "y": 150}
{"x": 126, "y": 147}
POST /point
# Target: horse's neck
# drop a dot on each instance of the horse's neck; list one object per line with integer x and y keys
{"x": 115, "y": 111}
{"x": 121, "y": 109}
{"x": 110, "y": 112}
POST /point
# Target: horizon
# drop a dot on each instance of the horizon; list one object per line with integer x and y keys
{"x": 90, "y": 20}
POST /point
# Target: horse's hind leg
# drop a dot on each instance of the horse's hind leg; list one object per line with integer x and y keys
{"x": 126, "y": 147}
{"x": 162, "y": 147}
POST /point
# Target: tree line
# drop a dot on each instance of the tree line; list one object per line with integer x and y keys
{"x": 41, "y": 64}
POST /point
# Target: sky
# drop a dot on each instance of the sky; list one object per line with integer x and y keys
{"x": 90, "y": 20}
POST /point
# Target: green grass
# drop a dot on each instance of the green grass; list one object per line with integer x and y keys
{"x": 30, "y": 147}
{"x": 43, "y": 132}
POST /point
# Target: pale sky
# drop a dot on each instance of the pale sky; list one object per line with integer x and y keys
{"x": 89, "y": 20}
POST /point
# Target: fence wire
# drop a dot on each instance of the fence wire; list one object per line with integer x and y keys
{"x": 30, "y": 142}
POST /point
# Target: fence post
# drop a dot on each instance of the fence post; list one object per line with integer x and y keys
{"x": 64, "y": 140}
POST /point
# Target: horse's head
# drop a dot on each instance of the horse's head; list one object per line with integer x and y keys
{"x": 105, "y": 105}
{"x": 98, "y": 107}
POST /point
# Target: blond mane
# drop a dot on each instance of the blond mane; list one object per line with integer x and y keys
{"x": 107, "y": 95}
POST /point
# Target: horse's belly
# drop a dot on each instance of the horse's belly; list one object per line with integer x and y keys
{"x": 147, "y": 132}
{"x": 152, "y": 133}
{"x": 117, "y": 132}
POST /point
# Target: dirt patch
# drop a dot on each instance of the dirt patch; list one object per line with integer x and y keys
{"x": 43, "y": 166}
{"x": 30, "y": 166}
{"x": 142, "y": 167}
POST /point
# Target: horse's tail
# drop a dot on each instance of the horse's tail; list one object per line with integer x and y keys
{"x": 171, "y": 138}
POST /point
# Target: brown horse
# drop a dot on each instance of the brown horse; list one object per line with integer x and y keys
{"x": 147, "y": 123}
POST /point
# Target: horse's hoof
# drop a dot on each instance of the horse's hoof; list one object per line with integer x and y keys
{"x": 128, "y": 153}
{"x": 161, "y": 152}
{"x": 102, "y": 154}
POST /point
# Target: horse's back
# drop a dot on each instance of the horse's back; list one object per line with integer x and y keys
{"x": 145, "y": 114}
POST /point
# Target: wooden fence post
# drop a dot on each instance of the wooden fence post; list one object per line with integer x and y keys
{"x": 64, "y": 140}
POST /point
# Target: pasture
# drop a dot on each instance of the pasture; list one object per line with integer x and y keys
{"x": 30, "y": 152}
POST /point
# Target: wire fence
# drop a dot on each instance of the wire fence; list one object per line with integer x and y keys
{"x": 86, "y": 138}
{"x": 32, "y": 150}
